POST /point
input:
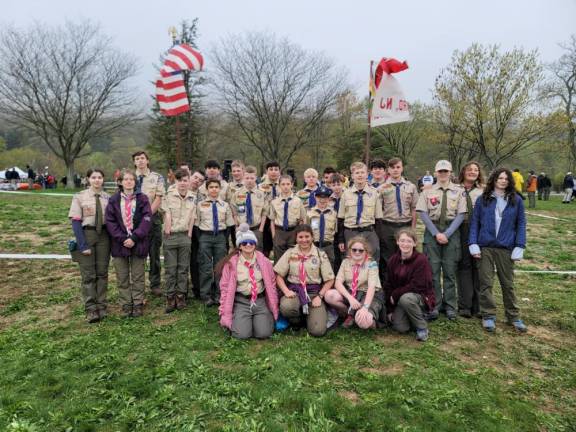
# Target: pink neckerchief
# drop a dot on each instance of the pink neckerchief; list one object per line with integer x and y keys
{"x": 355, "y": 276}
{"x": 128, "y": 212}
{"x": 253, "y": 283}
{"x": 302, "y": 277}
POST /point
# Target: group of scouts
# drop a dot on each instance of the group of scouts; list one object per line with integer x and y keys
{"x": 341, "y": 255}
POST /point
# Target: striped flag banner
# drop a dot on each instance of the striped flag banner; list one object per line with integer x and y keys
{"x": 170, "y": 90}
{"x": 171, "y": 94}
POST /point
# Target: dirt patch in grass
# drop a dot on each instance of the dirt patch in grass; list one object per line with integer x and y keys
{"x": 163, "y": 320}
{"x": 385, "y": 370}
{"x": 391, "y": 339}
{"x": 353, "y": 397}
{"x": 55, "y": 315}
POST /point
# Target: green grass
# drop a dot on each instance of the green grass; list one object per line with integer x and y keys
{"x": 183, "y": 373}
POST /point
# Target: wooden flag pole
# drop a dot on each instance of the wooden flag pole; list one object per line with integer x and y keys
{"x": 367, "y": 148}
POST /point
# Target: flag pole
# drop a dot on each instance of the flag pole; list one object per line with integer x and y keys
{"x": 174, "y": 33}
{"x": 367, "y": 148}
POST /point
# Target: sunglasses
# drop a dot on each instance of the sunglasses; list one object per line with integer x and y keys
{"x": 246, "y": 243}
{"x": 357, "y": 250}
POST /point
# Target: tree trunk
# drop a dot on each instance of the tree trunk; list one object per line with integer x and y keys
{"x": 70, "y": 174}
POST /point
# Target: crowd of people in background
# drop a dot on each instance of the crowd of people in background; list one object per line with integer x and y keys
{"x": 338, "y": 252}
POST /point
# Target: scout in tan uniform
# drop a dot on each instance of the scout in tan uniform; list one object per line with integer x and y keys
{"x": 360, "y": 210}
{"x": 214, "y": 220}
{"x": 324, "y": 221}
{"x": 472, "y": 182}
{"x": 179, "y": 210}
{"x": 286, "y": 212}
{"x": 152, "y": 184}
{"x": 237, "y": 182}
{"x": 442, "y": 209}
{"x": 249, "y": 205}
{"x": 357, "y": 293}
{"x": 336, "y": 183}
{"x": 399, "y": 198}
{"x": 196, "y": 180}
{"x": 308, "y": 194}
{"x": 212, "y": 170}
{"x": 92, "y": 251}
{"x": 304, "y": 275}
{"x": 378, "y": 173}
{"x": 271, "y": 188}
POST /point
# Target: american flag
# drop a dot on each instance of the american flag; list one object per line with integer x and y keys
{"x": 170, "y": 90}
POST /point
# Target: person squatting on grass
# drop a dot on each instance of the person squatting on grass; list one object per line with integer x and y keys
{"x": 357, "y": 293}
{"x": 129, "y": 221}
{"x": 248, "y": 296}
{"x": 497, "y": 239}
{"x": 92, "y": 252}
{"x": 304, "y": 275}
{"x": 409, "y": 288}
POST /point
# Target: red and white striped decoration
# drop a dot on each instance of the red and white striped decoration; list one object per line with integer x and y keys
{"x": 170, "y": 90}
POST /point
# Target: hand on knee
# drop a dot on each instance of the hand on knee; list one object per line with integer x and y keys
{"x": 364, "y": 318}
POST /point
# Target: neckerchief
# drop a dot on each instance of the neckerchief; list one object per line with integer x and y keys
{"x": 302, "y": 278}
{"x": 128, "y": 212}
{"x": 254, "y": 285}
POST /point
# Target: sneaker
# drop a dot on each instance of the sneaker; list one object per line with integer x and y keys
{"x": 431, "y": 316}
{"x": 332, "y": 322}
{"x": 451, "y": 315}
{"x": 348, "y": 322}
{"x": 519, "y": 325}
{"x": 489, "y": 324}
{"x": 422, "y": 335}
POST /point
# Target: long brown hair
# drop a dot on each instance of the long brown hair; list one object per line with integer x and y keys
{"x": 509, "y": 192}
{"x": 220, "y": 264}
{"x": 479, "y": 181}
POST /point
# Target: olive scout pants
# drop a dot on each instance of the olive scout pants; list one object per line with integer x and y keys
{"x": 316, "y": 319}
{"x": 177, "y": 248}
{"x": 211, "y": 249}
{"x": 130, "y": 275}
{"x": 155, "y": 237}
{"x": 246, "y": 323}
{"x": 94, "y": 270}
{"x": 468, "y": 282}
{"x": 501, "y": 260}
{"x": 409, "y": 313}
{"x": 444, "y": 262}
{"x": 283, "y": 240}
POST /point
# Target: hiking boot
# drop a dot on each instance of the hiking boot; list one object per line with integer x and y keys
{"x": 102, "y": 313}
{"x": 348, "y": 322}
{"x": 209, "y": 303}
{"x": 92, "y": 316}
{"x": 465, "y": 313}
{"x": 156, "y": 292}
{"x": 451, "y": 315}
{"x": 138, "y": 310}
{"x": 126, "y": 311}
{"x": 422, "y": 335}
{"x": 489, "y": 324}
{"x": 519, "y": 325}
{"x": 170, "y": 304}
{"x": 181, "y": 301}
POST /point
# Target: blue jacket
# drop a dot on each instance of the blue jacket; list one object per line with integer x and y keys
{"x": 512, "y": 231}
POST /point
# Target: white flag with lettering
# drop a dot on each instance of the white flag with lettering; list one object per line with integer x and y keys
{"x": 389, "y": 104}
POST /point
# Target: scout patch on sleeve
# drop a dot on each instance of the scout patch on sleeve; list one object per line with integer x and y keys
{"x": 372, "y": 264}
{"x": 265, "y": 187}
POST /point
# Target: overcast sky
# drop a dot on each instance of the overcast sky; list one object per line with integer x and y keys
{"x": 425, "y": 33}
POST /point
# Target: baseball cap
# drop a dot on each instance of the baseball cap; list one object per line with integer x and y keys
{"x": 443, "y": 165}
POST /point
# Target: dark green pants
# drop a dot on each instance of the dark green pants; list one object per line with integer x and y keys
{"x": 444, "y": 261}
{"x": 130, "y": 276}
{"x": 468, "y": 282}
{"x": 155, "y": 247}
{"x": 176, "y": 263}
{"x": 246, "y": 323}
{"x": 94, "y": 270}
{"x": 211, "y": 249}
{"x": 194, "y": 274}
{"x": 409, "y": 313}
{"x": 500, "y": 259}
{"x": 387, "y": 235}
{"x": 283, "y": 240}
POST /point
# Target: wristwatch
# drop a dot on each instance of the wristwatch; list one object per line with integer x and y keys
{"x": 366, "y": 305}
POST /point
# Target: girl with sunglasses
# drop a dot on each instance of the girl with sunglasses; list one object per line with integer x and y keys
{"x": 248, "y": 296}
{"x": 357, "y": 296}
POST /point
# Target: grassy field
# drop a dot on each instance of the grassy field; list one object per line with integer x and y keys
{"x": 183, "y": 373}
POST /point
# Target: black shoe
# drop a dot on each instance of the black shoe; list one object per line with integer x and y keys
{"x": 138, "y": 310}
{"x": 127, "y": 311}
{"x": 209, "y": 303}
{"x": 465, "y": 313}
{"x": 92, "y": 316}
{"x": 170, "y": 304}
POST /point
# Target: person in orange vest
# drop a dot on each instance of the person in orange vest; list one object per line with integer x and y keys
{"x": 531, "y": 188}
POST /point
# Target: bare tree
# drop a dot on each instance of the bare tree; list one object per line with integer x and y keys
{"x": 562, "y": 87}
{"x": 490, "y": 102}
{"x": 67, "y": 85}
{"x": 275, "y": 91}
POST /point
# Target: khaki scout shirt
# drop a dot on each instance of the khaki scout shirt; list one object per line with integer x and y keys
{"x": 368, "y": 275}
{"x": 317, "y": 266}
{"x": 152, "y": 184}
{"x": 259, "y": 205}
{"x": 233, "y": 187}
{"x": 204, "y": 215}
{"x": 474, "y": 193}
{"x": 83, "y": 207}
{"x": 182, "y": 210}
{"x": 408, "y": 199}
{"x": 223, "y": 195}
{"x": 330, "y": 223}
{"x": 267, "y": 187}
{"x": 296, "y": 211}
{"x": 244, "y": 285}
{"x": 430, "y": 201}
{"x": 372, "y": 209}
{"x": 304, "y": 195}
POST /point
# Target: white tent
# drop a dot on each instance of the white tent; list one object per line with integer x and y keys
{"x": 23, "y": 174}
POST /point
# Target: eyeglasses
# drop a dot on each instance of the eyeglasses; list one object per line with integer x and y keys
{"x": 246, "y": 243}
{"x": 357, "y": 250}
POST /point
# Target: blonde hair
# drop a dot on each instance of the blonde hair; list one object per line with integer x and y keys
{"x": 311, "y": 172}
{"x": 357, "y": 165}
{"x": 250, "y": 170}
{"x": 360, "y": 239}
{"x": 237, "y": 164}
